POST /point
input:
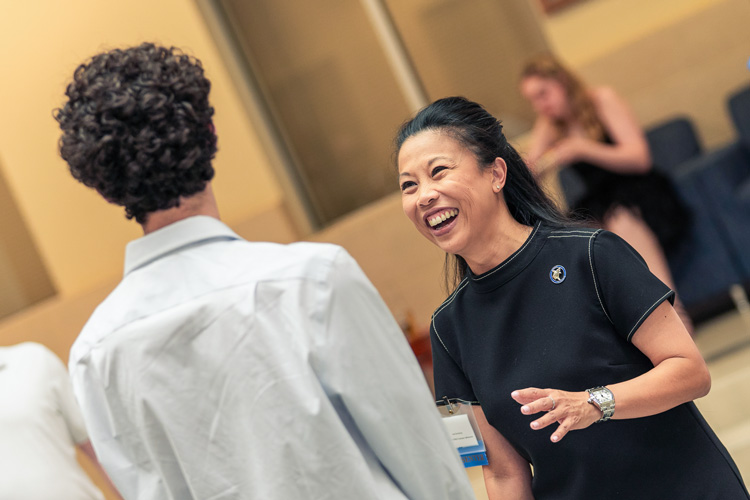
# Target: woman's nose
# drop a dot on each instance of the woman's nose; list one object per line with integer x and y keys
{"x": 427, "y": 196}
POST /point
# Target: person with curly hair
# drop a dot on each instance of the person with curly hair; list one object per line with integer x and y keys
{"x": 222, "y": 368}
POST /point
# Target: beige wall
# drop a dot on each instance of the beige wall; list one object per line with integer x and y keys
{"x": 79, "y": 237}
{"x": 592, "y": 29}
{"x": 23, "y": 279}
{"x": 666, "y": 57}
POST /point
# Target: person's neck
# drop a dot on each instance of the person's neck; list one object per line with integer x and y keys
{"x": 202, "y": 203}
{"x": 509, "y": 238}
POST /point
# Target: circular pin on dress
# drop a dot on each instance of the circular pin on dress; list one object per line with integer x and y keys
{"x": 557, "y": 274}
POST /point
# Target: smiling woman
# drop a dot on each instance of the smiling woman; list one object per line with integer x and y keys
{"x": 455, "y": 151}
{"x": 552, "y": 327}
{"x": 437, "y": 167}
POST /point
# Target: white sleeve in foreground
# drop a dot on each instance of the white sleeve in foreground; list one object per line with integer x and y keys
{"x": 369, "y": 363}
{"x": 66, "y": 401}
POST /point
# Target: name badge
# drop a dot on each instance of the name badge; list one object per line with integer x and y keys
{"x": 460, "y": 431}
{"x": 462, "y": 427}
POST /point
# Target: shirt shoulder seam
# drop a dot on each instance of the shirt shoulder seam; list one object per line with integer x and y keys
{"x": 593, "y": 273}
{"x": 445, "y": 304}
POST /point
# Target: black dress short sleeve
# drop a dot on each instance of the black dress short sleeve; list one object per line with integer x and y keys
{"x": 450, "y": 379}
{"x": 627, "y": 290}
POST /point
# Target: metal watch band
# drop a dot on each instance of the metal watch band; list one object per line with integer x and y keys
{"x": 602, "y": 398}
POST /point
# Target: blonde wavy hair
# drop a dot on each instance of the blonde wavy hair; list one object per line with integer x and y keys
{"x": 581, "y": 105}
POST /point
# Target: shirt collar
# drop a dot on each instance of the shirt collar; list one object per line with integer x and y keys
{"x": 514, "y": 264}
{"x": 192, "y": 231}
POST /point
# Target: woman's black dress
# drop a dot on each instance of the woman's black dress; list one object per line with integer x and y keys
{"x": 515, "y": 327}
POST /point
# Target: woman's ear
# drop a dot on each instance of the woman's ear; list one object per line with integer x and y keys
{"x": 499, "y": 174}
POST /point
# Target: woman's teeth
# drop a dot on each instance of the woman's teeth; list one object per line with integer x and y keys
{"x": 442, "y": 217}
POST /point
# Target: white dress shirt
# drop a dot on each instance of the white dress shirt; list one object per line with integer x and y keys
{"x": 40, "y": 426}
{"x": 221, "y": 368}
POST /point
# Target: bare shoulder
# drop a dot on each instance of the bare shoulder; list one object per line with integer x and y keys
{"x": 603, "y": 93}
{"x": 606, "y": 97}
{"x": 612, "y": 109}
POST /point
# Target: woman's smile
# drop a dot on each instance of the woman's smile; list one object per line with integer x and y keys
{"x": 441, "y": 220}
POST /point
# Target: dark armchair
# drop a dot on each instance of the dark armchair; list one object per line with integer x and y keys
{"x": 703, "y": 268}
{"x": 724, "y": 176}
{"x": 672, "y": 143}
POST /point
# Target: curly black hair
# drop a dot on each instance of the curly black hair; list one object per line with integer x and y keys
{"x": 137, "y": 127}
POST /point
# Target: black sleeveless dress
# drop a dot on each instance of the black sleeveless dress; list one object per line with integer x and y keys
{"x": 592, "y": 192}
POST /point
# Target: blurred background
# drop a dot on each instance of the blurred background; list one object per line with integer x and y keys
{"x": 308, "y": 97}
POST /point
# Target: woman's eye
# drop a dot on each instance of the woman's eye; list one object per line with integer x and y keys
{"x": 406, "y": 185}
{"x": 437, "y": 170}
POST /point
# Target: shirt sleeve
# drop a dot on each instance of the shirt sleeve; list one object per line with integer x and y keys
{"x": 89, "y": 391}
{"x": 66, "y": 402}
{"x": 450, "y": 379}
{"x": 370, "y": 367}
{"x": 627, "y": 290}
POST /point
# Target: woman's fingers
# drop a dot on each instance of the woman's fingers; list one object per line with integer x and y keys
{"x": 528, "y": 395}
{"x": 545, "y": 420}
{"x": 570, "y": 409}
{"x": 546, "y": 403}
{"x": 560, "y": 432}
{"x": 535, "y": 400}
{"x": 566, "y": 424}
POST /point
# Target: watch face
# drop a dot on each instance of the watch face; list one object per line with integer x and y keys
{"x": 600, "y": 397}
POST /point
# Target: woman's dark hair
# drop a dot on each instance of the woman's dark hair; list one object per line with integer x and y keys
{"x": 137, "y": 127}
{"x": 481, "y": 133}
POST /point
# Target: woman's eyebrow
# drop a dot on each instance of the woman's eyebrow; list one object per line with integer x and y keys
{"x": 429, "y": 164}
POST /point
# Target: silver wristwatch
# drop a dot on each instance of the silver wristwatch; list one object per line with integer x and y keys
{"x": 602, "y": 398}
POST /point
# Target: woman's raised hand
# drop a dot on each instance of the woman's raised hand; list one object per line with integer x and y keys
{"x": 570, "y": 150}
{"x": 570, "y": 409}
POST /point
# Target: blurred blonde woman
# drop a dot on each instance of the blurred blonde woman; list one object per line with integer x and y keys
{"x": 593, "y": 132}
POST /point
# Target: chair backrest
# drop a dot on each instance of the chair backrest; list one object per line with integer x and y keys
{"x": 739, "y": 109}
{"x": 672, "y": 143}
{"x": 572, "y": 186}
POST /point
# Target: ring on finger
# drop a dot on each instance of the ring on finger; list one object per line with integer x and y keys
{"x": 554, "y": 404}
